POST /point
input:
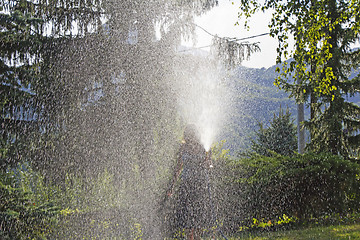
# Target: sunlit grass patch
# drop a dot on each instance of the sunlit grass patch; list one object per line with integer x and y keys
{"x": 323, "y": 233}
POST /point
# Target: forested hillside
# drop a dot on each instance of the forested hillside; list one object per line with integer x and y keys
{"x": 256, "y": 99}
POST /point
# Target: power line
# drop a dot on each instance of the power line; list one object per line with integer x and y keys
{"x": 229, "y": 39}
{"x": 204, "y": 30}
{"x": 232, "y": 39}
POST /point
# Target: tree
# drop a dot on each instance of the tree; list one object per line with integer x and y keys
{"x": 16, "y": 43}
{"x": 29, "y": 100}
{"x": 322, "y": 62}
{"x": 102, "y": 97}
{"x": 279, "y": 137}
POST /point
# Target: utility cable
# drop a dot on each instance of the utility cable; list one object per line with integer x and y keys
{"x": 229, "y": 39}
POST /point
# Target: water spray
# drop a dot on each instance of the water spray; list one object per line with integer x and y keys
{"x": 203, "y": 100}
{"x": 208, "y": 158}
{"x": 203, "y": 97}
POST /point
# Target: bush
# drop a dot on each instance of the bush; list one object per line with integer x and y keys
{"x": 303, "y": 186}
{"x": 25, "y": 212}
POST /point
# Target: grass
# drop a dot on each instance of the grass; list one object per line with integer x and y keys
{"x": 338, "y": 232}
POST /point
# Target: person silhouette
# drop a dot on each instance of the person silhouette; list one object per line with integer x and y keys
{"x": 192, "y": 210}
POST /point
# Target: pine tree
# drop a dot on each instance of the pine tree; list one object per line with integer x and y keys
{"x": 335, "y": 122}
{"x": 279, "y": 136}
{"x": 32, "y": 33}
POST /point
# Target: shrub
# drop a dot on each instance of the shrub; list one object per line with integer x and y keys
{"x": 25, "y": 212}
{"x": 302, "y": 186}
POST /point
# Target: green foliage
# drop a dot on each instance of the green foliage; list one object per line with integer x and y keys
{"x": 336, "y": 129}
{"x": 17, "y": 43}
{"x": 31, "y": 38}
{"x": 321, "y": 65}
{"x": 32, "y": 208}
{"x": 301, "y": 186}
{"x": 316, "y": 26}
{"x": 231, "y": 52}
{"x": 26, "y": 208}
{"x": 279, "y": 137}
{"x": 262, "y": 224}
{"x": 98, "y": 207}
{"x": 136, "y": 231}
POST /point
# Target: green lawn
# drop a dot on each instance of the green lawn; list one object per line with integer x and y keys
{"x": 315, "y": 233}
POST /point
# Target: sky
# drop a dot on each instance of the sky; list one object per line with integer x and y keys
{"x": 221, "y": 21}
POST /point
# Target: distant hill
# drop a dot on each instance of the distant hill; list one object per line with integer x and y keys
{"x": 256, "y": 99}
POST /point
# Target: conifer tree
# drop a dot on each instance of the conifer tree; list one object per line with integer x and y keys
{"x": 279, "y": 136}
{"x": 321, "y": 66}
{"x": 32, "y": 33}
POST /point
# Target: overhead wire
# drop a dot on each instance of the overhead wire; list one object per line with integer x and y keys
{"x": 229, "y": 39}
